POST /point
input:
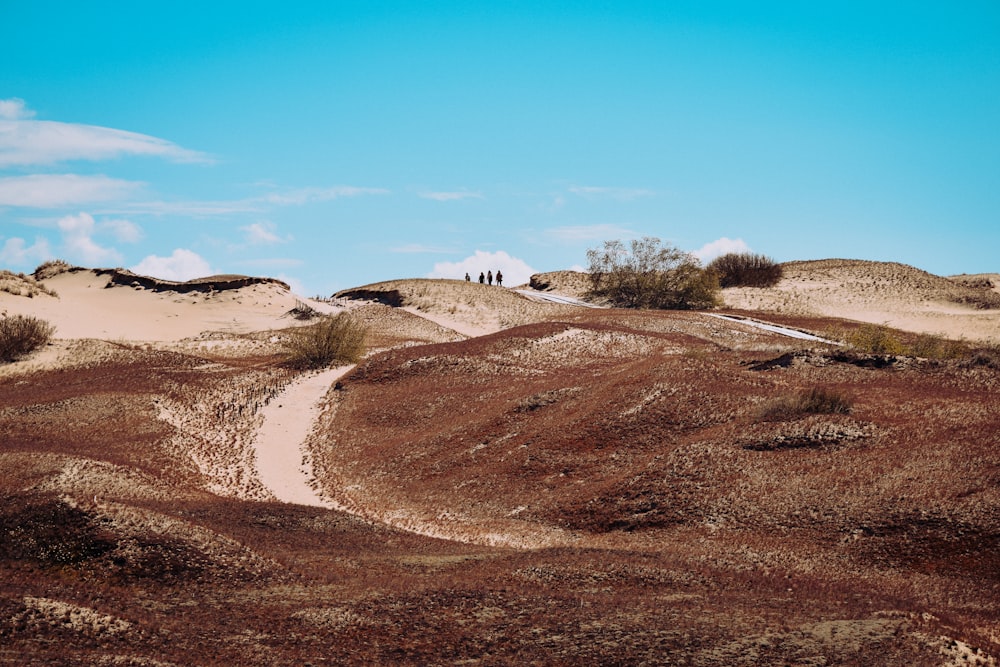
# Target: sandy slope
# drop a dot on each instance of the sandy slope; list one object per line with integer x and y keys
{"x": 87, "y": 307}
{"x": 878, "y": 292}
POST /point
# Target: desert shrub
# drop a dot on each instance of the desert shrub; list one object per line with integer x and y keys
{"x": 882, "y": 341}
{"x": 22, "y": 334}
{"x": 649, "y": 274}
{"x": 815, "y": 401}
{"x": 338, "y": 339}
{"x": 51, "y": 268}
{"x": 875, "y": 339}
{"x": 744, "y": 269}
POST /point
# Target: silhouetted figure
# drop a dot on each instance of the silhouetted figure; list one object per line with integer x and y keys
{"x": 489, "y": 277}
{"x": 482, "y": 278}
{"x": 467, "y": 278}
{"x": 499, "y": 278}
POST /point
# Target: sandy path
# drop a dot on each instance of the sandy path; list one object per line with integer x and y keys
{"x": 774, "y": 328}
{"x": 288, "y": 420}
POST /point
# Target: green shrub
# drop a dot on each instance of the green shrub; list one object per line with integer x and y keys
{"x": 21, "y": 335}
{"x": 650, "y": 275}
{"x": 815, "y": 401}
{"x": 744, "y": 269}
{"x": 337, "y": 339}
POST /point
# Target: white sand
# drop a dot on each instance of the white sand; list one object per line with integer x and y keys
{"x": 87, "y": 308}
{"x": 282, "y": 463}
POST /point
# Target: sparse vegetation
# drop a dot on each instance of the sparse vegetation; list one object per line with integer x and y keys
{"x": 981, "y": 299}
{"x": 337, "y": 339}
{"x": 650, "y": 274}
{"x": 744, "y": 269}
{"x": 303, "y": 311}
{"x": 815, "y": 401}
{"x": 51, "y": 268}
{"x": 21, "y": 335}
{"x": 20, "y": 284}
{"x": 883, "y": 341}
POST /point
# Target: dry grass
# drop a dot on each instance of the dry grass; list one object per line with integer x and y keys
{"x": 334, "y": 340}
{"x": 814, "y": 401}
{"x": 20, "y": 284}
{"x": 51, "y": 268}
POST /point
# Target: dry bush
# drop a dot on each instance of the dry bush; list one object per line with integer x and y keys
{"x": 648, "y": 274}
{"x": 815, "y": 401}
{"x": 337, "y": 339}
{"x": 744, "y": 269}
{"x": 22, "y": 334}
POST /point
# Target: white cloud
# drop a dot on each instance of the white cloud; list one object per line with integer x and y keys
{"x": 450, "y": 196}
{"x": 297, "y": 286}
{"x": 293, "y": 197}
{"x": 578, "y": 233}
{"x": 60, "y": 190}
{"x": 184, "y": 208}
{"x": 17, "y": 252}
{"x": 181, "y": 265}
{"x": 124, "y": 231}
{"x": 515, "y": 271}
{"x": 271, "y": 263}
{"x": 263, "y": 233}
{"x": 419, "y": 248}
{"x": 301, "y": 196}
{"x": 27, "y": 142}
{"x": 720, "y": 247}
{"x": 14, "y": 109}
{"x": 618, "y": 194}
{"x": 78, "y": 243}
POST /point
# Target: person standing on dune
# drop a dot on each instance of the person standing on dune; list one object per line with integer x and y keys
{"x": 482, "y": 278}
{"x": 499, "y": 278}
{"x": 489, "y": 277}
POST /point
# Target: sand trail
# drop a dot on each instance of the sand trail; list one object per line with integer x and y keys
{"x": 288, "y": 420}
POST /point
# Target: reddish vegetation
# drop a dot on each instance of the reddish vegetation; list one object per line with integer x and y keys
{"x": 616, "y": 496}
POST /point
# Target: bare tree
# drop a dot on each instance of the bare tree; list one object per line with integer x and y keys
{"x": 650, "y": 274}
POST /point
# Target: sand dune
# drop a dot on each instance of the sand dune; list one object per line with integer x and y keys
{"x": 894, "y": 294}
{"x": 89, "y": 304}
{"x": 500, "y": 480}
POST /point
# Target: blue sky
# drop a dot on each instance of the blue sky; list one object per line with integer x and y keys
{"x": 335, "y": 144}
